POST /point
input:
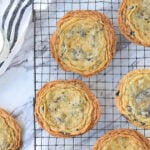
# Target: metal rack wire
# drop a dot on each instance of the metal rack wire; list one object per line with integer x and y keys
{"x": 128, "y": 57}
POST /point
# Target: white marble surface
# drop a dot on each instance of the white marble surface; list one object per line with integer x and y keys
{"x": 17, "y": 89}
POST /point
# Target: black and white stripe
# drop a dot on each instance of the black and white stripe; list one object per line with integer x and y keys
{"x": 11, "y": 29}
{"x": 15, "y": 16}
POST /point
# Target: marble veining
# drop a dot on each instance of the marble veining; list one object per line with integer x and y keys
{"x": 17, "y": 90}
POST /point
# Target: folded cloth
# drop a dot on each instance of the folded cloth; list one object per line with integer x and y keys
{"x": 14, "y": 19}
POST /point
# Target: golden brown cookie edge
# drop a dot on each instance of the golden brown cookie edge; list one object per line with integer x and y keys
{"x": 118, "y": 99}
{"x": 16, "y": 126}
{"x": 131, "y": 132}
{"x": 53, "y": 41}
{"x": 96, "y": 103}
{"x": 124, "y": 29}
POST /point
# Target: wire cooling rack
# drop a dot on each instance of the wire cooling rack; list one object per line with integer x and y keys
{"x": 104, "y": 85}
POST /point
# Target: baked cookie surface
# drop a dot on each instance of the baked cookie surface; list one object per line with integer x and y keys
{"x": 122, "y": 139}
{"x": 66, "y": 108}
{"x": 133, "y": 97}
{"x": 10, "y": 132}
{"x": 84, "y": 42}
{"x": 134, "y": 21}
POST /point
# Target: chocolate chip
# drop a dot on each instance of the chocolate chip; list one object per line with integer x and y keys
{"x": 117, "y": 93}
{"x": 82, "y": 33}
{"x": 88, "y": 59}
{"x": 142, "y": 13}
{"x": 131, "y": 7}
{"x": 142, "y": 123}
{"x": 143, "y": 95}
{"x": 77, "y": 54}
{"x": 57, "y": 99}
{"x": 129, "y": 108}
{"x": 60, "y": 120}
{"x": 132, "y": 33}
{"x": 42, "y": 109}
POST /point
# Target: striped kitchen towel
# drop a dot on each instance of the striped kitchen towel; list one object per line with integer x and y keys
{"x": 14, "y": 19}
